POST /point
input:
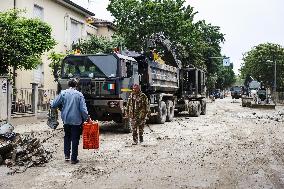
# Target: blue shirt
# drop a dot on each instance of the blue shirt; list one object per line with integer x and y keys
{"x": 74, "y": 110}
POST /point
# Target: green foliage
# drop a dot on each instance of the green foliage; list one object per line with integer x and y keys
{"x": 226, "y": 78}
{"x": 259, "y": 63}
{"x": 55, "y": 65}
{"x": 137, "y": 20}
{"x": 195, "y": 42}
{"x": 22, "y": 41}
{"x": 98, "y": 44}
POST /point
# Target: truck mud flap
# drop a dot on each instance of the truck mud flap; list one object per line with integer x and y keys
{"x": 203, "y": 107}
{"x": 170, "y": 110}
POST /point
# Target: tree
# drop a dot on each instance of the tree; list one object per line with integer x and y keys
{"x": 195, "y": 42}
{"x": 22, "y": 41}
{"x": 55, "y": 65}
{"x": 259, "y": 63}
{"x": 226, "y": 77}
{"x": 97, "y": 44}
{"x": 137, "y": 20}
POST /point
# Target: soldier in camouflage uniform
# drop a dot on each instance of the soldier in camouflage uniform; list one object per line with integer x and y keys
{"x": 137, "y": 112}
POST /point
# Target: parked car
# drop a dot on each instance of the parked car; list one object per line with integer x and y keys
{"x": 236, "y": 92}
{"x": 217, "y": 93}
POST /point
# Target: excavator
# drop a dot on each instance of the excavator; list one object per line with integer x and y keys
{"x": 256, "y": 95}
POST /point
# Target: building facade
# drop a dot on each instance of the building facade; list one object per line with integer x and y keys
{"x": 68, "y": 23}
{"x": 104, "y": 28}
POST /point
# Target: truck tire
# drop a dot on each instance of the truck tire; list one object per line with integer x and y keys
{"x": 162, "y": 113}
{"x": 1, "y": 160}
{"x": 203, "y": 107}
{"x": 127, "y": 127}
{"x": 244, "y": 103}
{"x": 170, "y": 110}
{"x": 194, "y": 109}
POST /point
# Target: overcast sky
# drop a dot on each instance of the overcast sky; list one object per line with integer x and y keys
{"x": 245, "y": 23}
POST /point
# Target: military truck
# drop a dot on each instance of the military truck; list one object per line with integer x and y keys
{"x": 106, "y": 79}
{"x": 236, "y": 92}
{"x": 256, "y": 96}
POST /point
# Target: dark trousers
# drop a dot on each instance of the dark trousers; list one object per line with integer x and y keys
{"x": 72, "y": 135}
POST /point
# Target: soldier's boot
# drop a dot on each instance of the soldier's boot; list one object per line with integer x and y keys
{"x": 141, "y": 139}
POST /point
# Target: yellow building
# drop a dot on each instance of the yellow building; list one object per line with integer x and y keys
{"x": 68, "y": 22}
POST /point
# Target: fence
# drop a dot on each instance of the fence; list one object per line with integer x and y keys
{"x": 28, "y": 101}
{"x": 22, "y": 101}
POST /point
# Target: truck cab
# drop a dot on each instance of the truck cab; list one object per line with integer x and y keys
{"x": 105, "y": 80}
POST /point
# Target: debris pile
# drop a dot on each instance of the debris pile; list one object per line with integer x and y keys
{"x": 22, "y": 152}
{"x": 276, "y": 116}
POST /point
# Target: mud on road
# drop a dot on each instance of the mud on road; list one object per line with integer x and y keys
{"x": 230, "y": 147}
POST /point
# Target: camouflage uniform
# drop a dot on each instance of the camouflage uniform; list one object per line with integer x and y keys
{"x": 137, "y": 110}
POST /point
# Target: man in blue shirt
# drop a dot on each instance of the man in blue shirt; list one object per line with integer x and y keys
{"x": 74, "y": 113}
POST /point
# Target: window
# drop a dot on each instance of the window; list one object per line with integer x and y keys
{"x": 76, "y": 31}
{"x": 38, "y": 74}
{"x": 38, "y": 12}
{"x": 90, "y": 66}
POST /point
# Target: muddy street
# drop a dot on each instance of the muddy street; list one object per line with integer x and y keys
{"x": 229, "y": 147}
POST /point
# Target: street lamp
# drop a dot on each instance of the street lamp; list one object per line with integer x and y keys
{"x": 274, "y": 87}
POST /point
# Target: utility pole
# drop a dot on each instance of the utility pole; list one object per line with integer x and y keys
{"x": 275, "y": 76}
{"x": 14, "y": 67}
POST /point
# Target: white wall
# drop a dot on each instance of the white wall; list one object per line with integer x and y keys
{"x": 58, "y": 17}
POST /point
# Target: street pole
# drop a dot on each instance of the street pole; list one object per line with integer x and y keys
{"x": 275, "y": 76}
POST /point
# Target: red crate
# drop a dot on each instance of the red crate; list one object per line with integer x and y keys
{"x": 91, "y": 135}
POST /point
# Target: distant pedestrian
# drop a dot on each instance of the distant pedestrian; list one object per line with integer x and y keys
{"x": 137, "y": 112}
{"x": 74, "y": 113}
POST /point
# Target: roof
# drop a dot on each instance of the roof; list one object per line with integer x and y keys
{"x": 100, "y": 22}
{"x": 76, "y": 7}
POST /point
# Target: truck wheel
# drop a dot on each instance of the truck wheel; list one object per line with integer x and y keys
{"x": 244, "y": 103}
{"x": 1, "y": 160}
{"x": 194, "y": 109}
{"x": 162, "y": 113}
{"x": 170, "y": 110}
{"x": 203, "y": 107}
{"x": 127, "y": 127}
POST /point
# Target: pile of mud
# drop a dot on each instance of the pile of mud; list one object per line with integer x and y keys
{"x": 276, "y": 116}
{"x": 22, "y": 152}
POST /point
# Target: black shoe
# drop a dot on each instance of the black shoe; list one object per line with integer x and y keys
{"x": 141, "y": 139}
{"x": 74, "y": 161}
{"x": 67, "y": 158}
